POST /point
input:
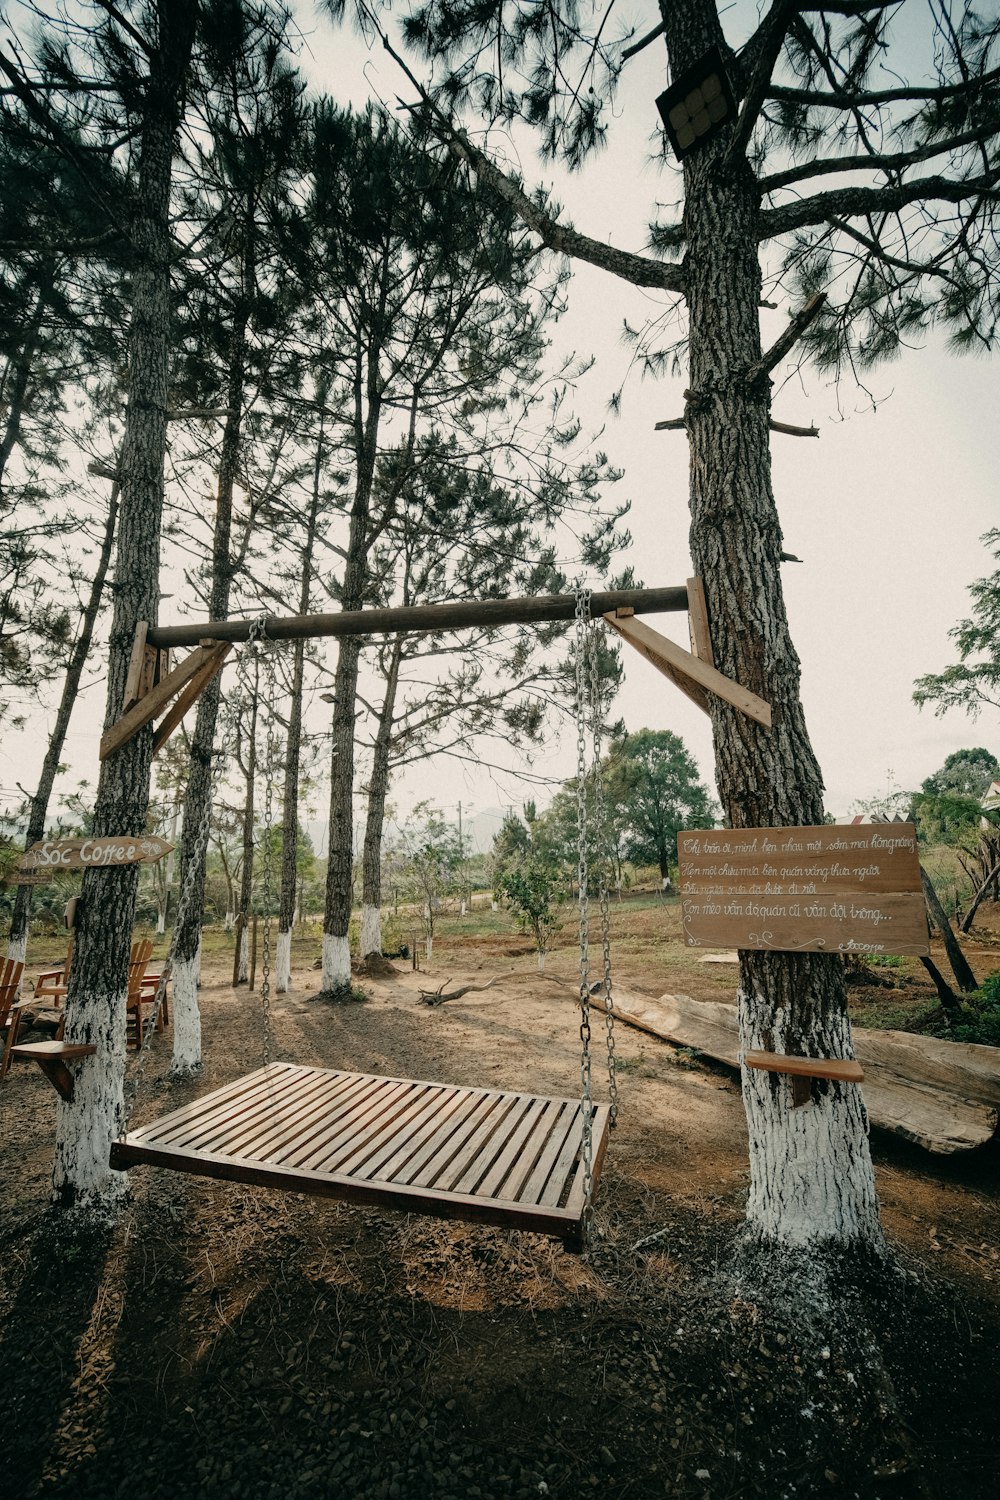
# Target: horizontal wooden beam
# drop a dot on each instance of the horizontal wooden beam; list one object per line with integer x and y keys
{"x": 538, "y": 609}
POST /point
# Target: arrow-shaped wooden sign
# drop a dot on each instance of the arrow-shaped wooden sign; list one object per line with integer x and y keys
{"x": 57, "y": 856}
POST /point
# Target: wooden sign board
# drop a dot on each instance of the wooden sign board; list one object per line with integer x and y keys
{"x": 835, "y": 889}
{"x": 57, "y": 856}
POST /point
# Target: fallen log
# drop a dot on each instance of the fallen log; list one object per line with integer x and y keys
{"x": 944, "y": 1096}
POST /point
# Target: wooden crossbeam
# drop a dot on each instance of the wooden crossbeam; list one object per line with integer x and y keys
{"x": 693, "y": 676}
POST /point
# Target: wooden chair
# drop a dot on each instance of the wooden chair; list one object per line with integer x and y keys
{"x": 142, "y": 952}
{"x": 10, "y": 1012}
{"x": 51, "y": 984}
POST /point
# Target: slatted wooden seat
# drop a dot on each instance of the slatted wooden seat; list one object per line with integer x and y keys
{"x": 429, "y": 1148}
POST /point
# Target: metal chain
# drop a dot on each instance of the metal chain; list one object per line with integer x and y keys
{"x": 603, "y": 845}
{"x": 582, "y": 623}
{"x": 269, "y": 764}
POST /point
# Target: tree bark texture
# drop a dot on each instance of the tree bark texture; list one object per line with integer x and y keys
{"x": 194, "y": 852}
{"x": 18, "y": 939}
{"x": 244, "y": 911}
{"x": 95, "y": 1004}
{"x": 371, "y": 892}
{"x": 339, "y": 886}
{"x": 811, "y": 1178}
{"x": 293, "y": 750}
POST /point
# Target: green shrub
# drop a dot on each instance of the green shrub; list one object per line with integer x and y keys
{"x": 979, "y": 1018}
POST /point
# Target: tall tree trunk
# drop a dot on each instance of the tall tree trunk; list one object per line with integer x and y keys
{"x": 960, "y": 966}
{"x": 18, "y": 940}
{"x": 244, "y": 915}
{"x": 340, "y": 851}
{"x": 194, "y": 850}
{"x": 371, "y": 892}
{"x": 293, "y": 747}
{"x": 95, "y": 1004}
{"x": 811, "y": 1178}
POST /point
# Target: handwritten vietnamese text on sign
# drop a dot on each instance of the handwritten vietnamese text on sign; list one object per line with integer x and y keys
{"x": 837, "y": 889}
{"x": 55, "y": 856}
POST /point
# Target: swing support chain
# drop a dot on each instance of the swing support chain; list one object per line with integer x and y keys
{"x": 602, "y": 842}
{"x": 582, "y": 619}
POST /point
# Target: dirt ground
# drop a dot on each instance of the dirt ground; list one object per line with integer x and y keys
{"x": 223, "y": 1340}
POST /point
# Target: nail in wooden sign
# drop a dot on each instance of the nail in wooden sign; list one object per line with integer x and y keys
{"x": 832, "y": 889}
{"x": 56, "y": 856}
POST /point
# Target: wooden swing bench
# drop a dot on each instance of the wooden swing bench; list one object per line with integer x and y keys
{"x": 481, "y": 1155}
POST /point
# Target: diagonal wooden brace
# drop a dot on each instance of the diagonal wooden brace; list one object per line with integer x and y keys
{"x": 153, "y": 703}
{"x": 693, "y": 676}
{"x": 199, "y": 682}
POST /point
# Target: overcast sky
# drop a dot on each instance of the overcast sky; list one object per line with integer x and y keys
{"x": 885, "y": 509}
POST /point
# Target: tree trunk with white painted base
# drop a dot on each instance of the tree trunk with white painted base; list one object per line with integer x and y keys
{"x": 811, "y": 1183}
{"x": 378, "y": 788}
{"x": 336, "y": 962}
{"x": 283, "y": 963}
{"x": 95, "y": 1003}
{"x": 293, "y": 743}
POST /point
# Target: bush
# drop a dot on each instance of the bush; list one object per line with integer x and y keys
{"x": 979, "y": 1018}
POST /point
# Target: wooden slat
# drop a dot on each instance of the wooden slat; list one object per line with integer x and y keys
{"x": 297, "y": 1129}
{"x": 397, "y": 1146}
{"x": 236, "y": 1130}
{"x": 482, "y": 1149}
{"x": 437, "y": 1153}
{"x": 701, "y": 640}
{"x": 379, "y": 1100}
{"x": 133, "y": 678}
{"x": 476, "y": 1154}
{"x": 545, "y": 1167}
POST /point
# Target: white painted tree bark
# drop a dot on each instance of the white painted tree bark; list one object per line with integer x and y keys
{"x": 283, "y": 963}
{"x": 336, "y": 962}
{"x": 371, "y": 930}
{"x": 186, "y": 1018}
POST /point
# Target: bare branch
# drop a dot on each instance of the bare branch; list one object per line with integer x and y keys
{"x": 796, "y": 328}
{"x": 862, "y": 98}
{"x": 896, "y": 161}
{"x": 643, "y": 42}
{"x": 768, "y": 43}
{"x": 637, "y": 269}
{"x": 823, "y": 208}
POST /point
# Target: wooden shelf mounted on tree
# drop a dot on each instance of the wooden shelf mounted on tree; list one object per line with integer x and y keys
{"x": 51, "y": 1057}
{"x": 802, "y": 1070}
